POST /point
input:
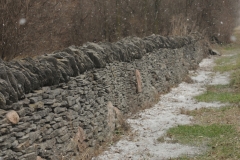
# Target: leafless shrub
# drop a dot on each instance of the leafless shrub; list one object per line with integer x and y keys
{"x": 54, "y": 25}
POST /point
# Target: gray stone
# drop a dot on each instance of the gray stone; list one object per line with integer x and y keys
{"x": 45, "y": 96}
{"x": 49, "y": 117}
{"x": 55, "y": 126}
{"x": 3, "y": 138}
{"x": 44, "y": 112}
{"x": 49, "y": 131}
{"x": 214, "y": 52}
{"x": 37, "y": 105}
{"x": 17, "y": 106}
{"x": 49, "y": 101}
{"x": 4, "y": 131}
{"x": 33, "y": 136}
{"x": 19, "y": 134}
{"x": 65, "y": 137}
{"x": 77, "y": 107}
{"x": 15, "y": 144}
{"x": 23, "y": 139}
{"x": 36, "y": 117}
{"x": 28, "y": 95}
{"x": 71, "y": 100}
{"x": 57, "y": 105}
{"x": 46, "y": 89}
{"x": 25, "y": 102}
{"x": 59, "y": 109}
{"x": 34, "y": 100}
{"x": 29, "y": 156}
{"x": 58, "y": 119}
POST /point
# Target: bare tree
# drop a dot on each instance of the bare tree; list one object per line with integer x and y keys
{"x": 32, "y": 27}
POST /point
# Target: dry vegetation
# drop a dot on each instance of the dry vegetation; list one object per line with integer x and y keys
{"x": 54, "y": 25}
{"x": 216, "y": 129}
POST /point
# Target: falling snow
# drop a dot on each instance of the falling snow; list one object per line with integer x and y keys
{"x": 22, "y": 21}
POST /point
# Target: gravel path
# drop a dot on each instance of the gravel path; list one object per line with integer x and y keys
{"x": 153, "y": 123}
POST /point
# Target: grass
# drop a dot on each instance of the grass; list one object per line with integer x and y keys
{"x": 229, "y": 63}
{"x": 225, "y": 93}
{"x": 199, "y": 134}
{"x": 216, "y": 129}
{"x": 226, "y": 97}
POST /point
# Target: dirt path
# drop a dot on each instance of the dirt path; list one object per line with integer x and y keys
{"x": 153, "y": 123}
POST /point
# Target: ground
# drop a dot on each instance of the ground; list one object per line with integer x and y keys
{"x": 196, "y": 120}
{"x": 151, "y": 125}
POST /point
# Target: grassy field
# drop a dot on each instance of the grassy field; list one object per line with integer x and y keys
{"x": 216, "y": 130}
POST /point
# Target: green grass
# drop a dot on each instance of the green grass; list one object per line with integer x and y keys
{"x": 196, "y": 133}
{"x": 218, "y": 130}
{"x": 229, "y": 63}
{"x": 210, "y": 96}
{"x": 222, "y": 141}
{"x": 225, "y": 93}
{"x": 235, "y": 80}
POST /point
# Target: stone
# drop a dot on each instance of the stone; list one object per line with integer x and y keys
{"x": 30, "y": 156}
{"x": 59, "y": 110}
{"x": 34, "y": 100}
{"x": 49, "y": 117}
{"x": 2, "y": 138}
{"x": 2, "y": 100}
{"x": 79, "y": 140}
{"x": 39, "y": 158}
{"x": 214, "y": 52}
{"x": 71, "y": 100}
{"x": 111, "y": 118}
{"x": 65, "y": 137}
{"x": 49, "y": 144}
{"x": 49, "y": 101}
{"x": 139, "y": 81}
{"x": 13, "y": 117}
{"x": 22, "y": 112}
{"x": 45, "y": 96}
{"x": 119, "y": 118}
{"x": 36, "y": 117}
{"x": 58, "y": 104}
{"x": 29, "y": 95}
{"x": 37, "y": 105}
{"x": 17, "y": 106}
{"x": 15, "y": 144}
{"x": 77, "y": 107}
{"x": 25, "y": 102}
{"x": 33, "y": 136}
{"x": 4, "y": 131}
{"x": 19, "y": 134}
{"x": 49, "y": 131}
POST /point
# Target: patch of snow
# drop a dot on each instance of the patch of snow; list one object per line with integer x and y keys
{"x": 220, "y": 78}
{"x": 153, "y": 123}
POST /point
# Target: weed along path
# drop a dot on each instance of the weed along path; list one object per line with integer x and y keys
{"x": 150, "y": 125}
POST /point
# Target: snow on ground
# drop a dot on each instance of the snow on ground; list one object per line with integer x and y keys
{"x": 153, "y": 123}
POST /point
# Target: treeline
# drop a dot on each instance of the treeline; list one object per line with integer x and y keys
{"x": 33, "y": 27}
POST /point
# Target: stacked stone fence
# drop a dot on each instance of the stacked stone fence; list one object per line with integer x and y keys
{"x": 66, "y": 104}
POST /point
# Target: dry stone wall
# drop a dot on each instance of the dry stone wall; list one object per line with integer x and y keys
{"x": 66, "y": 104}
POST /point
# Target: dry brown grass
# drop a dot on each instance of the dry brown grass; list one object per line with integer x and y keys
{"x": 188, "y": 79}
{"x": 216, "y": 120}
{"x": 225, "y": 115}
